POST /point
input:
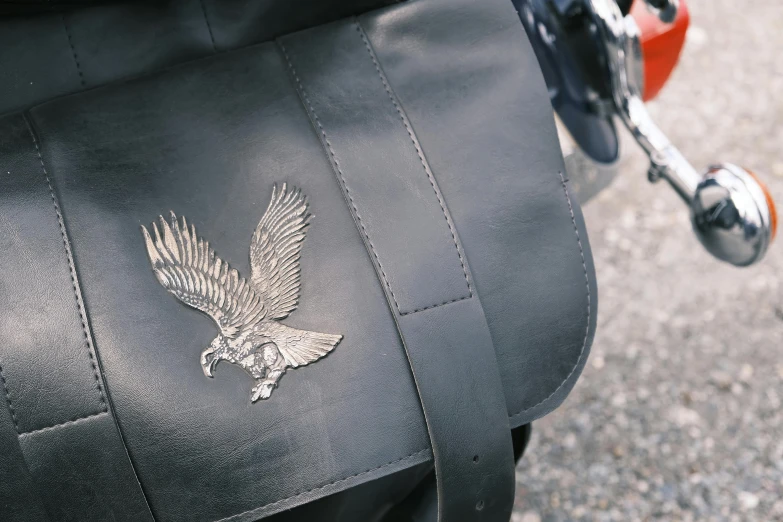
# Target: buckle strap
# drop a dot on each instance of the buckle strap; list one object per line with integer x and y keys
{"x": 409, "y": 235}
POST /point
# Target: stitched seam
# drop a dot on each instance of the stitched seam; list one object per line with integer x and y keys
{"x": 73, "y": 51}
{"x": 419, "y": 152}
{"x": 8, "y": 399}
{"x": 209, "y": 27}
{"x": 72, "y": 268}
{"x": 415, "y": 454}
{"x": 587, "y": 285}
{"x": 437, "y": 305}
{"x": 66, "y": 423}
{"x": 339, "y": 172}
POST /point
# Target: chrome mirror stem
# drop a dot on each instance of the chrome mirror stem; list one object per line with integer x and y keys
{"x": 732, "y": 215}
{"x": 621, "y": 35}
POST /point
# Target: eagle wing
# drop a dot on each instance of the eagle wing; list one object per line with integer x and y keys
{"x": 187, "y": 267}
{"x": 275, "y": 250}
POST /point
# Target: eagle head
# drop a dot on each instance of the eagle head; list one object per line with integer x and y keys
{"x": 213, "y": 354}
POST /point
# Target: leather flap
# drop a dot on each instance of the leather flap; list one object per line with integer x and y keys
{"x": 208, "y": 140}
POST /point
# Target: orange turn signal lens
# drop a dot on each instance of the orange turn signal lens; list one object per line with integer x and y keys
{"x": 773, "y": 214}
{"x": 662, "y": 44}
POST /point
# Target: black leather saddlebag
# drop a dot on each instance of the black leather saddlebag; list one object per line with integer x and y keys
{"x": 371, "y": 229}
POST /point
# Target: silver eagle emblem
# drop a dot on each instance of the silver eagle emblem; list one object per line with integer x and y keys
{"x": 247, "y": 313}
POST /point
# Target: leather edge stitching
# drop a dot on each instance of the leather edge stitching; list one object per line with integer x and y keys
{"x": 209, "y": 26}
{"x": 419, "y": 152}
{"x": 8, "y": 400}
{"x": 72, "y": 269}
{"x": 458, "y": 299}
{"x": 73, "y": 50}
{"x": 410, "y": 456}
{"x": 587, "y": 286}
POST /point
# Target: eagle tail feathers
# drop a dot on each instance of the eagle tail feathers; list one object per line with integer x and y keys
{"x": 301, "y": 347}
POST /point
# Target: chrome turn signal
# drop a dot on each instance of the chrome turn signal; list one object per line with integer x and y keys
{"x": 733, "y": 215}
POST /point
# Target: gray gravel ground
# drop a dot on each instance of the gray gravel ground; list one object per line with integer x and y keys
{"x": 678, "y": 413}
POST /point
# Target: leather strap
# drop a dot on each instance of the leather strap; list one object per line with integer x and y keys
{"x": 410, "y": 237}
{"x": 53, "y": 386}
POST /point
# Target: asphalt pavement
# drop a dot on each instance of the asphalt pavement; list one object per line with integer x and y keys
{"x": 678, "y": 413}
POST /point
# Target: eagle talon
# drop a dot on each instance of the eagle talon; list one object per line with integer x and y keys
{"x": 208, "y": 361}
{"x": 262, "y": 391}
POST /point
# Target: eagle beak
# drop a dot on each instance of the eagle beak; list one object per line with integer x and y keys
{"x": 208, "y": 362}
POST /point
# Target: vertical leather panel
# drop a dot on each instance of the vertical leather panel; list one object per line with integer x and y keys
{"x": 402, "y": 217}
{"x": 118, "y": 40}
{"x": 50, "y": 55}
{"x": 80, "y": 45}
{"x": 388, "y": 182}
{"x": 237, "y": 23}
{"x": 49, "y": 368}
